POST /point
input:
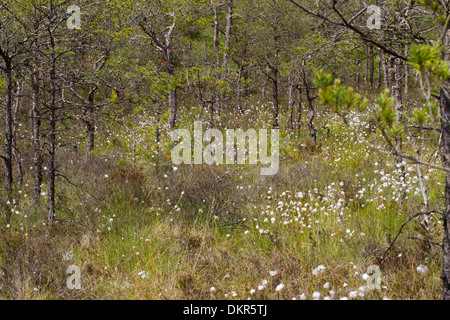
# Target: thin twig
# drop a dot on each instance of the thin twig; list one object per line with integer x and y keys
{"x": 383, "y": 258}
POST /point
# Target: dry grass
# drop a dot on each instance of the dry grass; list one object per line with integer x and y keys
{"x": 152, "y": 232}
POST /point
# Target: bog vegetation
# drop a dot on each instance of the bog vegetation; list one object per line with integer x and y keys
{"x": 90, "y": 99}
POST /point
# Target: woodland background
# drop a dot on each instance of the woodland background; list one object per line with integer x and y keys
{"x": 88, "y": 180}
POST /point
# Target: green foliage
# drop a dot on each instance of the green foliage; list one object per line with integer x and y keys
{"x": 435, "y": 5}
{"x": 333, "y": 93}
{"x": 427, "y": 58}
{"x": 386, "y": 115}
{"x": 420, "y": 116}
{"x": 113, "y": 96}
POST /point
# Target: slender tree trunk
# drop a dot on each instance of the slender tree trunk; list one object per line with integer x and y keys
{"x": 90, "y": 122}
{"x": 390, "y": 70}
{"x": 298, "y": 119}
{"x": 173, "y": 108}
{"x": 399, "y": 107}
{"x": 246, "y": 74}
{"x": 226, "y": 51}
{"x": 275, "y": 71}
{"x": 275, "y": 97}
{"x": 51, "y": 165}
{"x": 52, "y": 134}
{"x": 211, "y": 114}
{"x": 397, "y": 92}
{"x": 310, "y": 122}
{"x": 158, "y": 125}
{"x": 445, "y": 127}
{"x": 216, "y": 33}
{"x": 263, "y": 88}
{"x": 166, "y": 48}
{"x": 16, "y": 121}
{"x": 358, "y": 71}
{"x": 366, "y": 69}
{"x": 407, "y": 11}
{"x": 173, "y": 101}
{"x": 291, "y": 104}
{"x": 238, "y": 90}
{"x": 379, "y": 76}
{"x": 9, "y": 131}
{"x": 312, "y": 111}
{"x": 238, "y": 98}
{"x": 216, "y": 50}
{"x": 36, "y": 135}
{"x": 8, "y": 141}
{"x": 385, "y": 70}
{"x": 406, "y": 73}
{"x": 90, "y": 132}
{"x": 371, "y": 65}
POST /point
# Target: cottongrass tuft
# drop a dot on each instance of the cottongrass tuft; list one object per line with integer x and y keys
{"x": 318, "y": 270}
{"x": 279, "y": 287}
{"x": 422, "y": 269}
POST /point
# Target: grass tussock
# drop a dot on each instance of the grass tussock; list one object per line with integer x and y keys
{"x": 147, "y": 229}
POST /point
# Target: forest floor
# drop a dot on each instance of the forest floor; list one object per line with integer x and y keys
{"x": 148, "y": 229}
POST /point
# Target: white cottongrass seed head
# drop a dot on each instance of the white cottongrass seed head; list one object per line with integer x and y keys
{"x": 279, "y": 287}
{"x": 422, "y": 269}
